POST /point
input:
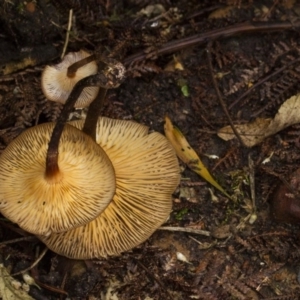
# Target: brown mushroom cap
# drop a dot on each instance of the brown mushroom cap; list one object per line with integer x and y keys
{"x": 147, "y": 173}
{"x": 83, "y": 188}
{"x": 57, "y": 86}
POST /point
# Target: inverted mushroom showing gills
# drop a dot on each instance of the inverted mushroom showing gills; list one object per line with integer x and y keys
{"x": 147, "y": 173}
{"x": 57, "y": 83}
{"x": 81, "y": 188}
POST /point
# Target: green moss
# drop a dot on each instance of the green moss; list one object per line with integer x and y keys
{"x": 180, "y": 214}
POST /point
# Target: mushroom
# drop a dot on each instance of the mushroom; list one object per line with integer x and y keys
{"x": 110, "y": 75}
{"x": 147, "y": 173}
{"x": 58, "y": 82}
{"x": 77, "y": 192}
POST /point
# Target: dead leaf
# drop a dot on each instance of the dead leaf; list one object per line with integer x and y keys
{"x": 7, "y": 289}
{"x": 251, "y": 133}
{"x": 255, "y": 132}
{"x": 187, "y": 154}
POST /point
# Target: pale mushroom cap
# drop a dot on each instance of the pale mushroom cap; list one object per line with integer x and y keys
{"x": 57, "y": 86}
{"x": 147, "y": 173}
{"x": 39, "y": 206}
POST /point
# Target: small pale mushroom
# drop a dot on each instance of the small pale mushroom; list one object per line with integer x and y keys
{"x": 147, "y": 173}
{"x": 74, "y": 195}
{"x": 57, "y": 82}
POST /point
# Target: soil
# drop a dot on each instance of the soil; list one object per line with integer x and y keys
{"x": 204, "y": 64}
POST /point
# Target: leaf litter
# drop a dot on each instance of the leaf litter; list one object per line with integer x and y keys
{"x": 255, "y": 132}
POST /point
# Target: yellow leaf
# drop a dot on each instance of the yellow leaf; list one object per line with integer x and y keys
{"x": 187, "y": 154}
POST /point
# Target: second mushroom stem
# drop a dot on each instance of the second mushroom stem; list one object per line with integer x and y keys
{"x": 94, "y": 110}
{"x": 93, "y": 113}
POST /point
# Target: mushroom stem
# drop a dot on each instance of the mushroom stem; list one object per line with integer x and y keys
{"x": 74, "y": 67}
{"x": 113, "y": 74}
{"x": 109, "y": 77}
{"x": 52, "y": 169}
{"x": 93, "y": 114}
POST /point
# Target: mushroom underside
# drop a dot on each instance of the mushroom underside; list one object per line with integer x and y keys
{"x": 147, "y": 173}
{"x": 82, "y": 189}
{"x": 57, "y": 86}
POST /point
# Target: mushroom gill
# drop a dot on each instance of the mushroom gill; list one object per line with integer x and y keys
{"x": 57, "y": 84}
{"x": 83, "y": 186}
{"x": 147, "y": 173}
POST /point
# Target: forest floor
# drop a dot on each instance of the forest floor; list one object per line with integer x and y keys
{"x": 205, "y": 64}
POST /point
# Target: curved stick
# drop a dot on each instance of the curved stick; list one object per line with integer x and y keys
{"x": 246, "y": 27}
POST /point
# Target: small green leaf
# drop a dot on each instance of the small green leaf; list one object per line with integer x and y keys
{"x": 185, "y": 91}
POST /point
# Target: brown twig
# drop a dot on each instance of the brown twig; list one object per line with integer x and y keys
{"x": 22, "y": 239}
{"x": 246, "y": 27}
{"x": 219, "y": 94}
{"x": 185, "y": 229}
{"x": 13, "y": 228}
{"x": 34, "y": 263}
{"x": 68, "y": 34}
{"x": 50, "y": 288}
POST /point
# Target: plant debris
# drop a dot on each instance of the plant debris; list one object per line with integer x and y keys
{"x": 187, "y": 154}
{"x": 11, "y": 288}
{"x": 205, "y": 64}
{"x": 255, "y": 132}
